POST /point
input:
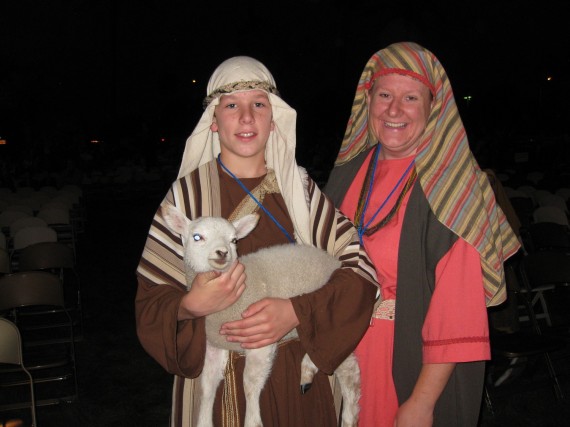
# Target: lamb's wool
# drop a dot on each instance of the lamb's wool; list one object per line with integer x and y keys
{"x": 280, "y": 271}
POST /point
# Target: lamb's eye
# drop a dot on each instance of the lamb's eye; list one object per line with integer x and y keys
{"x": 234, "y": 241}
{"x": 196, "y": 237}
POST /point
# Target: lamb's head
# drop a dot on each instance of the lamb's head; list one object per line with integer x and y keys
{"x": 209, "y": 242}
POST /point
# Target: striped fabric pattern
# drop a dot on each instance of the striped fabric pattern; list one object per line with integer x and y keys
{"x": 162, "y": 258}
{"x": 457, "y": 190}
{"x": 197, "y": 194}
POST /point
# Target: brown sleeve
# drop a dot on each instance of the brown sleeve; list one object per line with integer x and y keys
{"x": 334, "y": 318}
{"x": 179, "y": 347}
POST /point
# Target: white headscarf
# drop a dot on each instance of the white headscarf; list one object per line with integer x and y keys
{"x": 238, "y": 74}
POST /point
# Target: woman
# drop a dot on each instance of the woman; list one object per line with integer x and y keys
{"x": 239, "y": 159}
{"x": 428, "y": 219}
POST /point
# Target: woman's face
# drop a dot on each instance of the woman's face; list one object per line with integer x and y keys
{"x": 398, "y": 108}
{"x": 243, "y": 121}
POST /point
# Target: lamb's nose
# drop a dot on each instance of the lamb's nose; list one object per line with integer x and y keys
{"x": 222, "y": 253}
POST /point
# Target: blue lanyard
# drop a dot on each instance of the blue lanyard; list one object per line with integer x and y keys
{"x": 256, "y": 201}
{"x": 363, "y": 227}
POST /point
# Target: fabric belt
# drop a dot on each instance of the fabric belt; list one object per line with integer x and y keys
{"x": 386, "y": 310}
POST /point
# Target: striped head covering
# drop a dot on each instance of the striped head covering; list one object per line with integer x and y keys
{"x": 238, "y": 74}
{"x": 457, "y": 190}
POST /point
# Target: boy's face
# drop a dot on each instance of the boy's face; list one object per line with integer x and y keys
{"x": 243, "y": 121}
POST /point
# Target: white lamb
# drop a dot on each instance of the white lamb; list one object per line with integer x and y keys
{"x": 281, "y": 271}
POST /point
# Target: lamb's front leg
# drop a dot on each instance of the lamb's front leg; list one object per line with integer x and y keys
{"x": 212, "y": 373}
{"x": 258, "y": 364}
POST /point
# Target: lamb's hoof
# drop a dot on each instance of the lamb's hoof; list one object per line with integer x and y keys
{"x": 305, "y": 387}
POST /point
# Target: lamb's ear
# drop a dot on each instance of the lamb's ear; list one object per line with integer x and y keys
{"x": 244, "y": 225}
{"x": 175, "y": 219}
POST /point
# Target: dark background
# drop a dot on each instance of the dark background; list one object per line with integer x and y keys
{"x": 128, "y": 73}
{"x": 122, "y": 73}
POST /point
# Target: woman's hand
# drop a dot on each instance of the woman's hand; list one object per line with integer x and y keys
{"x": 414, "y": 414}
{"x": 417, "y": 411}
{"x": 211, "y": 292}
{"x": 264, "y": 322}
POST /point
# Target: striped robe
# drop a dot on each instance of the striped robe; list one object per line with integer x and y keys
{"x": 332, "y": 319}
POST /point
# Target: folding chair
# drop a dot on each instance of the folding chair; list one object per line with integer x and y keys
{"x": 72, "y": 197}
{"x": 60, "y": 221}
{"x": 77, "y": 211}
{"x": 554, "y": 200}
{"x": 54, "y": 215}
{"x": 41, "y": 197}
{"x": 11, "y": 355}
{"x": 31, "y": 221}
{"x": 547, "y": 236}
{"x": 34, "y": 201}
{"x": 56, "y": 258}
{"x": 4, "y": 262}
{"x": 519, "y": 350}
{"x": 544, "y": 275}
{"x": 35, "y": 234}
{"x": 28, "y": 236}
{"x": 8, "y": 217}
{"x": 550, "y": 214}
{"x": 34, "y": 302}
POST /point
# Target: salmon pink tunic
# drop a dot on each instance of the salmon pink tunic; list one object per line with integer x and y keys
{"x": 455, "y": 328}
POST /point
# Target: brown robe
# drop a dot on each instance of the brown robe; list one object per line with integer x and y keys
{"x": 332, "y": 321}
